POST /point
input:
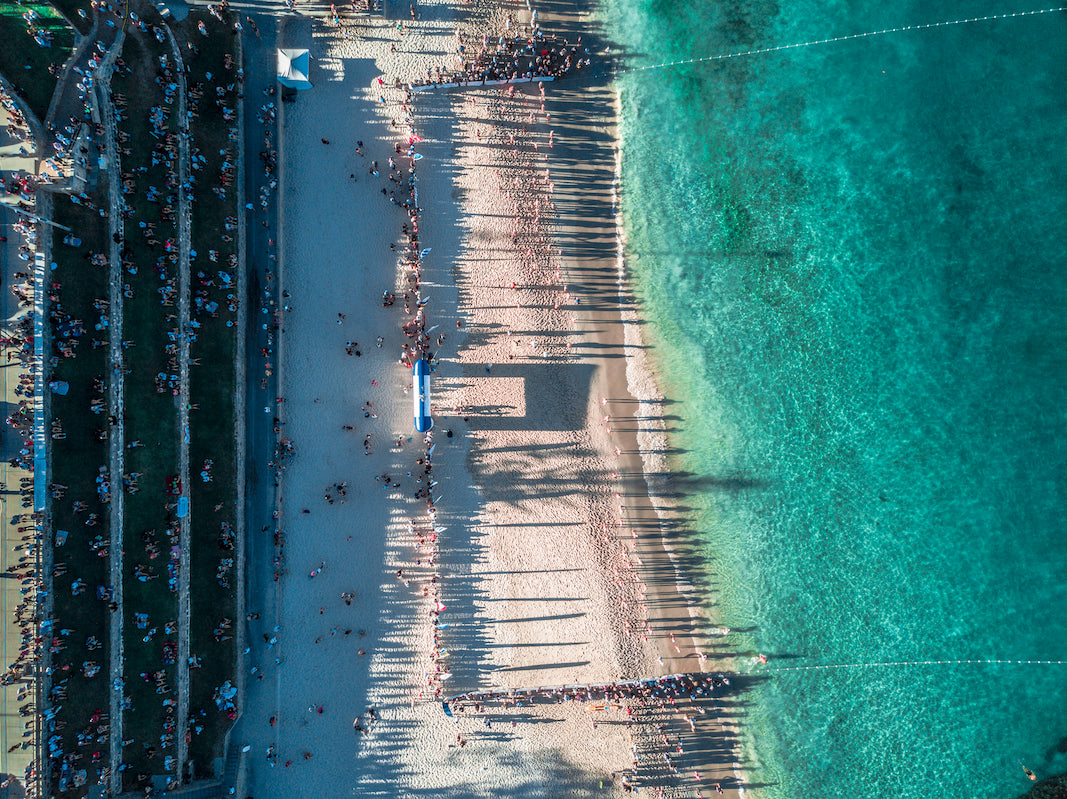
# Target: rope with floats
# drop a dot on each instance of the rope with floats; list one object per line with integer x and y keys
{"x": 781, "y": 47}
{"x": 894, "y": 663}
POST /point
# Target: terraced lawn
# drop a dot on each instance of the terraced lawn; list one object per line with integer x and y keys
{"x": 213, "y": 576}
{"x": 76, "y": 461}
{"x": 150, "y": 531}
{"x": 29, "y": 67}
{"x": 147, "y": 100}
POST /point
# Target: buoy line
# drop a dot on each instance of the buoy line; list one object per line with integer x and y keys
{"x": 849, "y": 37}
{"x": 888, "y": 663}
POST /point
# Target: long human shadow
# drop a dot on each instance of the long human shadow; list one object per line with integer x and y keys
{"x": 583, "y": 163}
{"x": 678, "y": 728}
{"x": 695, "y": 734}
{"x": 583, "y": 171}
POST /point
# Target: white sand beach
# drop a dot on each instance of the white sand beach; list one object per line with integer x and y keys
{"x": 547, "y": 565}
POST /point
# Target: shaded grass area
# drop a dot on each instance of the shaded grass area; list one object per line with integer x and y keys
{"x": 28, "y": 66}
{"x": 76, "y": 461}
{"x": 212, "y": 584}
{"x": 150, "y": 531}
{"x": 70, "y": 9}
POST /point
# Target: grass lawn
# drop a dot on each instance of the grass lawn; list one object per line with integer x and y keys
{"x": 24, "y": 62}
{"x": 70, "y": 9}
{"x": 151, "y": 417}
{"x": 75, "y": 463}
{"x": 211, "y": 385}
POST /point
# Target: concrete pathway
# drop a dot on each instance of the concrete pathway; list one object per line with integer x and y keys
{"x": 260, "y": 256}
{"x": 240, "y": 407}
{"x": 12, "y": 725}
{"x": 116, "y": 402}
{"x": 184, "y": 245}
{"x": 259, "y": 248}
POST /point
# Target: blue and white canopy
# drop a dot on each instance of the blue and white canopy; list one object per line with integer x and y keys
{"x": 420, "y": 389}
{"x": 293, "y": 68}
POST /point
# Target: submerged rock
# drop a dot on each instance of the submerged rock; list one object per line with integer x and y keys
{"x": 1052, "y": 788}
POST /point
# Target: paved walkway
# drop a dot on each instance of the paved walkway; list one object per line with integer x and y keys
{"x": 71, "y": 95}
{"x": 260, "y": 257}
{"x": 184, "y": 520}
{"x": 11, "y": 723}
{"x": 14, "y": 156}
{"x": 116, "y": 401}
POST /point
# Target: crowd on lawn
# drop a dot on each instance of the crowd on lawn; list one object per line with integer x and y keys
{"x": 81, "y": 141}
{"x": 36, "y": 29}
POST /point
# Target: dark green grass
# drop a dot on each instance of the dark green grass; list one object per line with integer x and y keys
{"x": 151, "y": 418}
{"x": 23, "y": 62}
{"x": 211, "y": 391}
{"x": 75, "y": 462}
{"x": 70, "y": 8}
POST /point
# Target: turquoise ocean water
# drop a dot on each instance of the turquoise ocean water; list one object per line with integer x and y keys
{"x": 854, "y": 260}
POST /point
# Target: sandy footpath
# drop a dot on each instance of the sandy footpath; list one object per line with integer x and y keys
{"x": 548, "y": 559}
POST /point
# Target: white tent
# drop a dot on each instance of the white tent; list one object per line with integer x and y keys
{"x": 293, "y": 66}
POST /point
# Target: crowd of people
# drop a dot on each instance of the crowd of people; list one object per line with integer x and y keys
{"x": 35, "y": 632}
{"x": 507, "y": 58}
{"x": 510, "y": 58}
{"x": 624, "y": 693}
{"x": 36, "y": 29}
{"x": 399, "y": 187}
{"x": 660, "y": 713}
{"x": 77, "y": 143}
{"x": 65, "y": 759}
